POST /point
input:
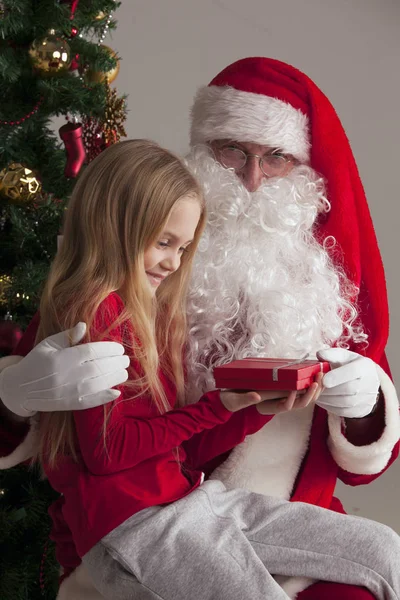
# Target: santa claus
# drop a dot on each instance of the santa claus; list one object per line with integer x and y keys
{"x": 288, "y": 266}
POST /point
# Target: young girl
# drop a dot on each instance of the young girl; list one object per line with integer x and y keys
{"x": 142, "y": 520}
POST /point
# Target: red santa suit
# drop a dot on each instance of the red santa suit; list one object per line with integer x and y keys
{"x": 301, "y": 455}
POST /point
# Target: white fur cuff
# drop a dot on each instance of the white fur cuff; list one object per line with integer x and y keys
{"x": 371, "y": 459}
{"x": 26, "y": 447}
{"x": 8, "y": 361}
{"x": 294, "y": 585}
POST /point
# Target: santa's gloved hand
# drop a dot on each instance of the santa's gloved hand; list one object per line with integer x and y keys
{"x": 351, "y": 388}
{"x": 57, "y": 376}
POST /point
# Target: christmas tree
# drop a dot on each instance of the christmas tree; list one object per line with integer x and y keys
{"x": 52, "y": 63}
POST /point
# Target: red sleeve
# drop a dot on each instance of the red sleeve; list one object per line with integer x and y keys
{"x": 135, "y": 432}
{"x": 207, "y": 445}
{"x": 66, "y": 554}
{"x": 133, "y": 439}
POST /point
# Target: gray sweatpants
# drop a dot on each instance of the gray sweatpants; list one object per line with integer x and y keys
{"x": 216, "y": 544}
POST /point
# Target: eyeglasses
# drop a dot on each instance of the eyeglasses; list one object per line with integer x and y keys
{"x": 274, "y": 164}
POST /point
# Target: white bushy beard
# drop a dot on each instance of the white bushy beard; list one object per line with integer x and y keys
{"x": 261, "y": 284}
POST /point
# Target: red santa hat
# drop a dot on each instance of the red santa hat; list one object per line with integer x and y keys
{"x": 268, "y": 102}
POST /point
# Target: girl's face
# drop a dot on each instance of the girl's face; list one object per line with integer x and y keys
{"x": 163, "y": 257}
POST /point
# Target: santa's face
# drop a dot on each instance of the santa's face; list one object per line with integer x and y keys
{"x": 262, "y": 285}
{"x": 252, "y": 163}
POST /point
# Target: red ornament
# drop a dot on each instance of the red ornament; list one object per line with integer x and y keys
{"x": 10, "y": 335}
{"x": 74, "y": 63}
{"x": 74, "y": 32}
{"x": 27, "y": 116}
{"x": 71, "y": 135}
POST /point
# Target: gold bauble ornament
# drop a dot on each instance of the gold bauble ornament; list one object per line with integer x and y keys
{"x": 100, "y": 15}
{"x": 19, "y": 185}
{"x": 92, "y": 76}
{"x": 51, "y": 54}
{"x": 5, "y": 284}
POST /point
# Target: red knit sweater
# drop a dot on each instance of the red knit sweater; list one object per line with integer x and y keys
{"x": 138, "y": 467}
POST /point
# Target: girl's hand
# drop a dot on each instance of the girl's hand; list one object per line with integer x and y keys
{"x": 271, "y": 402}
{"x": 292, "y": 400}
{"x": 235, "y": 401}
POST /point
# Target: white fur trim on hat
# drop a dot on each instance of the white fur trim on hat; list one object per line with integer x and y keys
{"x": 370, "y": 459}
{"x": 224, "y": 112}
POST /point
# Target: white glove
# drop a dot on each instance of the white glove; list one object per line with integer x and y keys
{"x": 351, "y": 388}
{"x": 56, "y": 376}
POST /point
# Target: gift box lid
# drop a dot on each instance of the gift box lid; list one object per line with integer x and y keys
{"x": 286, "y": 370}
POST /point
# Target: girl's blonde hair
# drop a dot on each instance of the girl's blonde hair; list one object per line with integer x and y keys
{"x": 119, "y": 206}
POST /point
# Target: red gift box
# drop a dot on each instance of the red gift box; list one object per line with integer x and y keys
{"x": 268, "y": 374}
